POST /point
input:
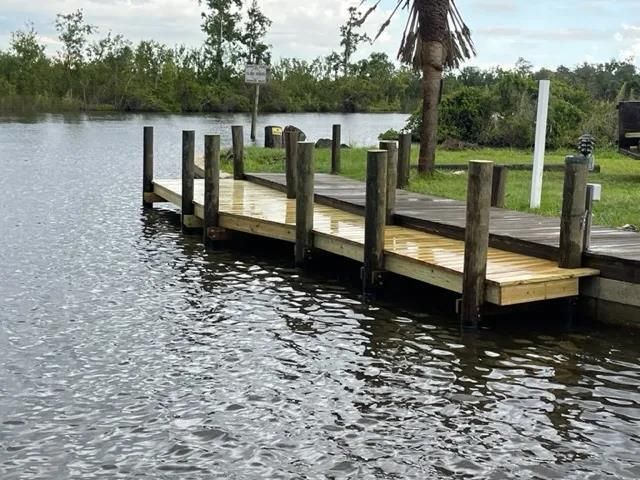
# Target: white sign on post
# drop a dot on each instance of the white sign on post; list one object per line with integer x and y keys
{"x": 255, "y": 74}
{"x": 541, "y": 140}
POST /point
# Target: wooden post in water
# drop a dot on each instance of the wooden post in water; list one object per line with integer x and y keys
{"x": 211, "y": 230}
{"x": 404, "y": 159}
{"x": 476, "y": 241}
{"x": 188, "y": 159}
{"x": 374, "y": 221}
{"x": 392, "y": 177}
{"x": 237, "y": 139}
{"x": 304, "y": 204}
{"x": 499, "y": 185}
{"x": 254, "y": 114}
{"x": 291, "y": 138}
{"x": 335, "y": 149}
{"x": 147, "y": 167}
{"x": 574, "y": 196}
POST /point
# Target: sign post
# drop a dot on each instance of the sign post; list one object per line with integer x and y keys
{"x": 541, "y": 140}
{"x": 256, "y": 75}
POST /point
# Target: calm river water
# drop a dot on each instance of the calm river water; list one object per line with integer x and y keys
{"x": 127, "y": 351}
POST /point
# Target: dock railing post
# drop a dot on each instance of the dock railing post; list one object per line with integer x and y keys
{"x": 574, "y": 197}
{"x": 291, "y": 138}
{"x": 335, "y": 149}
{"x": 392, "y": 177}
{"x": 147, "y": 167}
{"x": 374, "y": 221}
{"x": 304, "y": 204}
{"x": 211, "y": 231}
{"x": 476, "y": 241}
{"x": 404, "y": 159}
{"x": 499, "y": 185}
{"x": 188, "y": 163}
{"x": 588, "y": 218}
{"x": 237, "y": 139}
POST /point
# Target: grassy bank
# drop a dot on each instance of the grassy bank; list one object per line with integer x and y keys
{"x": 620, "y": 178}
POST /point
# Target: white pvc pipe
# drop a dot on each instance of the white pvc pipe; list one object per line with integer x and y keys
{"x": 541, "y": 139}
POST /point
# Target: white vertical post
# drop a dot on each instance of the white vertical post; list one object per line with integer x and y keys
{"x": 541, "y": 140}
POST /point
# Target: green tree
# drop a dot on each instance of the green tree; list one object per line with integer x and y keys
{"x": 220, "y": 24}
{"x": 255, "y": 29}
{"x": 30, "y": 61}
{"x": 350, "y": 38}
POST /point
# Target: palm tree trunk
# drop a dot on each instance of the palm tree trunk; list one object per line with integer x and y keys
{"x": 432, "y": 66}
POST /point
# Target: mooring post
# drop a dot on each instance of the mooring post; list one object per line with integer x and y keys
{"x": 499, "y": 185}
{"x": 291, "y": 138}
{"x": 374, "y": 221}
{"x": 335, "y": 149}
{"x": 476, "y": 241}
{"x": 391, "y": 148}
{"x": 574, "y": 197}
{"x": 404, "y": 159}
{"x": 211, "y": 231}
{"x": 304, "y": 204}
{"x": 588, "y": 220}
{"x": 237, "y": 139}
{"x": 147, "y": 167}
{"x": 188, "y": 163}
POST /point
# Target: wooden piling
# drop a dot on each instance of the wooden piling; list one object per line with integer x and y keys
{"x": 237, "y": 139}
{"x": 304, "y": 204}
{"x": 574, "y": 196}
{"x": 291, "y": 138}
{"x": 211, "y": 231}
{"x": 404, "y": 159}
{"x": 391, "y": 148}
{"x": 476, "y": 241}
{"x": 147, "y": 167}
{"x": 188, "y": 164}
{"x": 335, "y": 149}
{"x": 588, "y": 220}
{"x": 374, "y": 221}
{"x": 499, "y": 185}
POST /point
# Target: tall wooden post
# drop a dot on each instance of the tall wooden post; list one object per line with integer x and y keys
{"x": 147, "y": 167}
{"x": 211, "y": 188}
{"x": 476, "y": 241}
{"x": 304, "y": 204}
{"x": 335, "y": 149}
{"x": 392, "y": 177}
{"x": 188, "y": 163}
{"x": 588, "y": 220}
{"x": 291, "y": 138}
{"x": 404, "y": 159}
{"x": 499, "y": 185}
{"x": 254, "y": 115}
{"x": 237, "y": 139}
{"x": 573, "y": 210}
{"x": 374, "y": 221}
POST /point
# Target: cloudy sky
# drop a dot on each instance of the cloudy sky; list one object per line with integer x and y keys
{"x": 545, "y": 32}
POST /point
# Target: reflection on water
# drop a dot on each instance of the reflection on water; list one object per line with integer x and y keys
{"x": 127, "y": 351}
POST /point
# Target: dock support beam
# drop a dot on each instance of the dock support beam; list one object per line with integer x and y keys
{"x": 237, "y": 139}
{"x": 499, "y": 185}
{"x": 304, "y": 204}
{"x": 211, "y": 231}
{"x": 188, "y": 163}
{"x": 404, "y": 159}
{"x": 392, "y": 177}
{"x": 374, "y": 222}
{"x": 335, "y": 149}
{"x": 291, "y": 138}
{"x": 147, "y": 167}
{"x": 476, "y": 241}
{"x": 574, "y": 197}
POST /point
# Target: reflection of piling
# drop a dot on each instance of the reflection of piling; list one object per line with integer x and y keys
{"x": 574, "y": 196}
{"x": 211, "y": 230}
{"x": 304, "y": 204}
{"x": 404, "y": 159}
{"x": 476, "y": 241}
{"x": 392, "y": 177}
{"x": 291, "y": 138}
{"x": 374, "y": 221}
{"x": 188, "y": 165}
{"x": 499, "y": 185}
{"x": 335, "y": 149}
{"x": 147, "y": 167}
{"x": 237, "y": 139}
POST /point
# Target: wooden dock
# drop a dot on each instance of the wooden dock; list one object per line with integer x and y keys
{"x": 512, "y": 278}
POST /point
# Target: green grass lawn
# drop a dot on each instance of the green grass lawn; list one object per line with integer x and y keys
{"x": 620, "y": 178}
